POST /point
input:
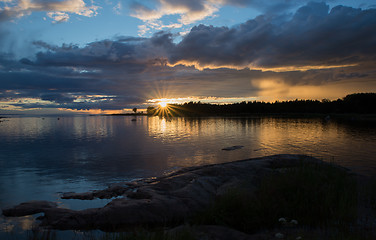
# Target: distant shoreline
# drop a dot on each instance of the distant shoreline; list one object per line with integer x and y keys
{"x": 337, "y": 116}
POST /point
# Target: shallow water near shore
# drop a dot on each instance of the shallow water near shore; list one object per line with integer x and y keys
{"x": 42, "y": 157}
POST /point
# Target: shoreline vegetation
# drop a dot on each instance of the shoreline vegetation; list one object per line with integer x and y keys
{"x": 359, "y": 106}
{"x": 273, "y": 197}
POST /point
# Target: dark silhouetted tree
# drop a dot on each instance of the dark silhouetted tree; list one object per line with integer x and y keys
{"x": 150, "y": 110}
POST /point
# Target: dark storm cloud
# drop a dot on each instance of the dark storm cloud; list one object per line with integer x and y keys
{"x": 106, "y": 74}
{"x": 130, "y": 54}
{"x": 57, "y": 97}
{"x": 313, "y": 36}
{"x": 126, "y": 71}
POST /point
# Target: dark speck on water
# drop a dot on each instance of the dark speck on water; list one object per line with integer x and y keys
{"x": 232, "y": 148}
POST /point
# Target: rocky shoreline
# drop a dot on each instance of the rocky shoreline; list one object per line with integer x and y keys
{"x": 157, "y": 201}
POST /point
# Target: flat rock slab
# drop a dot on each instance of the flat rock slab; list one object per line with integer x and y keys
{"x": 108, "y": 193}
{"x": 28, "y": 208}
{"x": 159, "y": 201}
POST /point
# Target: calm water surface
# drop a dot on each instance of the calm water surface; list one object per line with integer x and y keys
{"x": 42, "y": 157}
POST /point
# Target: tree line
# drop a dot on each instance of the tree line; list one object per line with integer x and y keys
{"x": 359, "y": 103}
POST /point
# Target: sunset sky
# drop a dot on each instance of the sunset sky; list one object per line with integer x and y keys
{"x": 75, "y": 56}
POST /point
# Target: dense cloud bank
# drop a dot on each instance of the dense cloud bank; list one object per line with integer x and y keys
{"x": 314, "y": 36}
{"x": 311, "y": 47}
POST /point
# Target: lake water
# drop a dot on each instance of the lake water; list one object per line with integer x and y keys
{"x": 42, "y": 157}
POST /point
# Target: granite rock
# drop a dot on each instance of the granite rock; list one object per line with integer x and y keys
{"x": 158, "y": 201}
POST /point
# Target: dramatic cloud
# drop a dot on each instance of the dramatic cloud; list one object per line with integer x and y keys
{"x": 188, "y": 12}
{"x": 192, "y": 11}
{"x": 314, "y": 38}
{"x": 57, "y": 10}
{"x": 67, "y": 76}
{"x": 270, "y": 56}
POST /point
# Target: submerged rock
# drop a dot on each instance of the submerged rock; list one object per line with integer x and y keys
{"x": 232, "y": 148}
{"x": 159, "y": 201}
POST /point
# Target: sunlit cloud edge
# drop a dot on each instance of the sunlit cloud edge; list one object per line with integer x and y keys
{"x": 201, "y": 67}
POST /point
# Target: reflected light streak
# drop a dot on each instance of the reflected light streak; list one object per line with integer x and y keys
{"x": 173, "y": 129}
{"x": 18, "y": 224}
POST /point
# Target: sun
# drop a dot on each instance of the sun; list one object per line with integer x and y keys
{"x": 162, "y": 104}
{"x": 166, "y": 108}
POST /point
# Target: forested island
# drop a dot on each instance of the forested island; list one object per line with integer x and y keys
{"x": 358, "y": 103}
